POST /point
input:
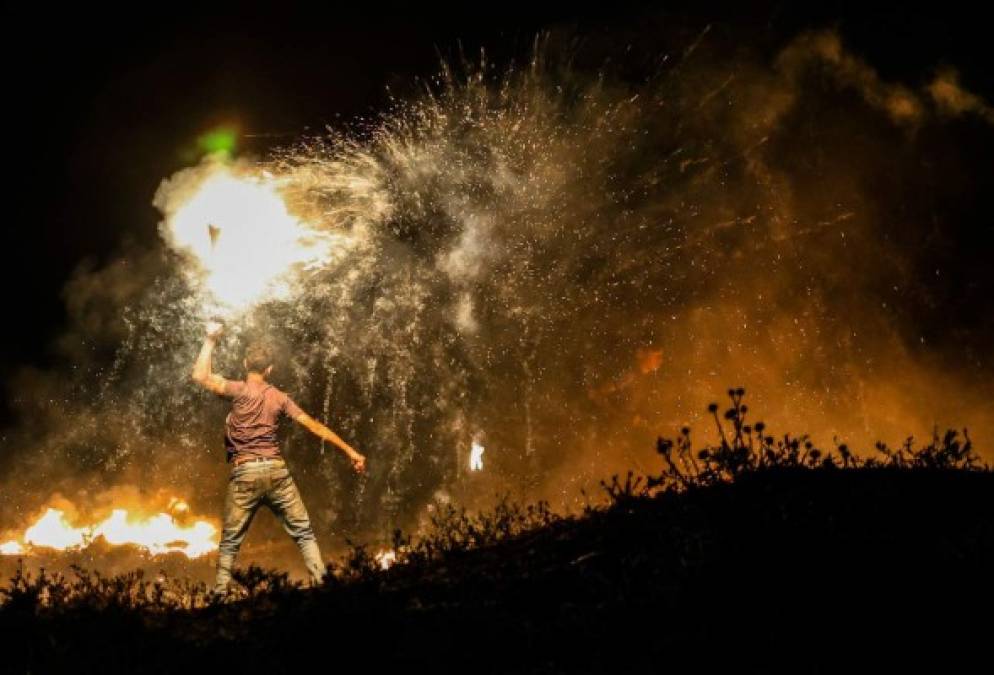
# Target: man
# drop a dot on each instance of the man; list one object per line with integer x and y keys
{"x": 259, "y": 474}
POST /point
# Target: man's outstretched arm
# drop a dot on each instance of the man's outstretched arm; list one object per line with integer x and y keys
{"x": 324, "y": 433}
{"x": 202, "y": 374}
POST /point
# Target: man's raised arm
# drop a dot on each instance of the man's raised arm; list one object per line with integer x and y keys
{"x": 202, "y": 374}
{"x": 324, "y": 433}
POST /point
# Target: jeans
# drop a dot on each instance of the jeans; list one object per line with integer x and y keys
{"x": 255, "y": 483}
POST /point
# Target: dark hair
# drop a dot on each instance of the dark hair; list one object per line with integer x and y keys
{"x": 258, "y": 357}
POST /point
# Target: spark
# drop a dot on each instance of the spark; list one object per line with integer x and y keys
{"x": 476, "y": 457}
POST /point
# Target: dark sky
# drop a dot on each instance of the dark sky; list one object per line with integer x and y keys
{"x": 100, "y": 107}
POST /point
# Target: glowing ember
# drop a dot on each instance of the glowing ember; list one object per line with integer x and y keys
{"x": 158, "y": 534}
{"x": 11, "y": 548}
{"x": 386, "y": 558}
{"x": 238, "y": 230}
{"x": 476, "y": 457}
{"x": 178, "y": 507}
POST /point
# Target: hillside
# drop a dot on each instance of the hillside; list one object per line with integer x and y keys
{"x": 765, "y": 557}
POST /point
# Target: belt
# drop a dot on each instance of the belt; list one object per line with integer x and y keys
{"x": 246, "y": 460}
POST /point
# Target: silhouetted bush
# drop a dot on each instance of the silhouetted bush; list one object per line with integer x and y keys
{"x": 745, "y": 448}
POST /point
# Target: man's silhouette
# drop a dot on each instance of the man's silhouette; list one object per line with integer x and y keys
{"x": 259, "y": 475}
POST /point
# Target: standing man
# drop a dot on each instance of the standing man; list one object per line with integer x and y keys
{"x": 259, "y": 474}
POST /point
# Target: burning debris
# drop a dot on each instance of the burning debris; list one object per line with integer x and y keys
{"x": 11, "y": 548}
{"x": 158, "y": 534}
{"x": 476, "y": 457}
{"x": 386, "y": 559}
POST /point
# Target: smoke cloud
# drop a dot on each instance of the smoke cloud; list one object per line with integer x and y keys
{"x": 565, "y": 263}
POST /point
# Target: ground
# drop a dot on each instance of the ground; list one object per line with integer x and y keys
{"x": 782, "y": 568}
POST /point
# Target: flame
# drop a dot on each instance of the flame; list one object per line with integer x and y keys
{"x": 240, "y": 232}
{"x": 158, "y": 534}
{"x": 178, "y": 508}
{"x": 52, "y": 530}
{"x": 476, "y": 457}
{"x": 386, "y": 558}
{"x": 11, "y": 548}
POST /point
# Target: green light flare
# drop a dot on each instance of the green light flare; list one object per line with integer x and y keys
{"x": 218, "y": 141}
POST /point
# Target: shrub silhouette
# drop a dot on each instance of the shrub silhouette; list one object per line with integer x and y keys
{"x": 746, "y": 448}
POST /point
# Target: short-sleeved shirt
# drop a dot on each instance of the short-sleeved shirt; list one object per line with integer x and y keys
{"x": 256, "y": 407}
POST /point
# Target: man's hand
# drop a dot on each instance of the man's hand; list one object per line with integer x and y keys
{"x": 358, "y": 462}
{"x": 214, "y": 330}
{"x": 326, "y": 434}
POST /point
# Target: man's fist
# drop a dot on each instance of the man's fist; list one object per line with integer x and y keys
{"x": 359, "y": 463}
{"x": 214, "y": 329}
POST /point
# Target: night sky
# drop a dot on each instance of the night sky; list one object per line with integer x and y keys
{"x": 100, "y": 106}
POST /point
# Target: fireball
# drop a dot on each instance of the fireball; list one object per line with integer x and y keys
{"x": 236, "y": 229}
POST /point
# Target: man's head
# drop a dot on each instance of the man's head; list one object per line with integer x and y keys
{"x": 259, "y": 358}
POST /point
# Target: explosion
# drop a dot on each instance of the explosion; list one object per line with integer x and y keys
{"x": 235, "y": 227}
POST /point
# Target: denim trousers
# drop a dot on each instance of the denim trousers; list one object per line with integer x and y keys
{"x": 251, "y": 485}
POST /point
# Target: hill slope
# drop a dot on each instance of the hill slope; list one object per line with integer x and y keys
{"x": 783, "y": 568}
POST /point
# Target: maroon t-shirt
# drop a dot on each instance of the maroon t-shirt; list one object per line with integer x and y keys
{"x": 250, "y": 428}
